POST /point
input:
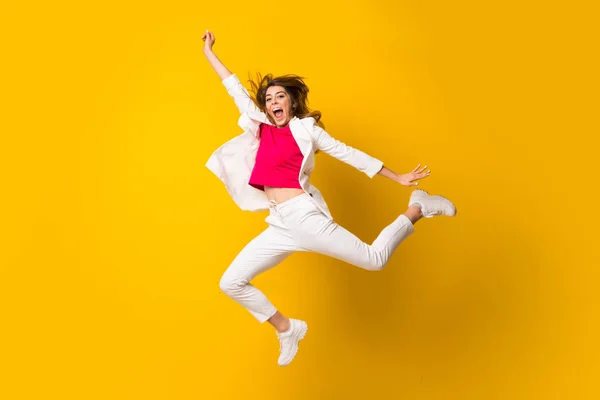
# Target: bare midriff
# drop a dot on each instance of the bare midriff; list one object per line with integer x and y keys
{"x": 282, "y": 194}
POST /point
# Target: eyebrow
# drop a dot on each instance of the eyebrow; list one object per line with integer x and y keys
{"x": 281, "y": 91}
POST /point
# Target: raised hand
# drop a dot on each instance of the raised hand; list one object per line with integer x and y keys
{"x": 209, "y": 40}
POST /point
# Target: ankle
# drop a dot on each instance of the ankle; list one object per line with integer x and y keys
{"x": 284, "y": 326}
{"x": 414, "y": 213}
{"x": 280, "y": 322}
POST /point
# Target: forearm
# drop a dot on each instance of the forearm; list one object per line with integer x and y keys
{"x": 388, "y": 173}
{"x": 217, "y": 65}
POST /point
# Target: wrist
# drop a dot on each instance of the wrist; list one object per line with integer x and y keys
{"x": 207, "y": 52}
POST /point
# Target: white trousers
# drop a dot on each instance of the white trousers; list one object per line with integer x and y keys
{"x": 298, "y": 225}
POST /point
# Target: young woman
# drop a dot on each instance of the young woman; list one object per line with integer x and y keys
{"x": 268, "y": 168}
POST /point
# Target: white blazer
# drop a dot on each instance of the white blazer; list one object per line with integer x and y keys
{"x": 233, "y": 162}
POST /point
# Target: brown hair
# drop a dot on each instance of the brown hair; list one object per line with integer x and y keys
{"x": 294, "y": 86}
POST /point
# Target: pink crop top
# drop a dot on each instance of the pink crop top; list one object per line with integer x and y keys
{"x": 278, "y": 159}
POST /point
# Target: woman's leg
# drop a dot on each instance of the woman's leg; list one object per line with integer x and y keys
{"x": 313, "y": 231}
{"x": 327, "y": 237}
{"x": 262, "y": 253}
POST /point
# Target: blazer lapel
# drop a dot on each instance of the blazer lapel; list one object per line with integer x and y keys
{"x": 301, "y": 135}
{"x": 257, "y": 118}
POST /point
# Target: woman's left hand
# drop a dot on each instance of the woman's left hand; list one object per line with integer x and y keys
{"x": 414, "y": 175}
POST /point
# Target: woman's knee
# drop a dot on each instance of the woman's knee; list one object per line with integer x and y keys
{"x": 376, "y": 266}
{"x": 231, "y": 285}
{"x": 374, "y": 263}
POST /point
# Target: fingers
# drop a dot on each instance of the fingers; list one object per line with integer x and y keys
{"x": 417, "y": 169}
{"x": 208, "y": 36}
{"x": 415, "y": 176}
{"x": 420, "y": 173}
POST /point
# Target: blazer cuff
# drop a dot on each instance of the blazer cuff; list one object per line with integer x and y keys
{"x": 374, "y": 167}
{"x": 230, "y": 81}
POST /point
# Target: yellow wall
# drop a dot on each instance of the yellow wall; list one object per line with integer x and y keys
{"x": 115, "y": 235}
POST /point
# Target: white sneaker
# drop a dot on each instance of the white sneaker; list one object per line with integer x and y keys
{"x": 431, "y": 205}
{"x": 288, "y": 341}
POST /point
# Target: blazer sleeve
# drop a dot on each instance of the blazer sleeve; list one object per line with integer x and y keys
{"x": 240, "y": 95}
{"x": 358, "y": 159}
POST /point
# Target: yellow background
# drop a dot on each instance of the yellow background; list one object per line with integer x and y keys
{"x": 115, "y": 235}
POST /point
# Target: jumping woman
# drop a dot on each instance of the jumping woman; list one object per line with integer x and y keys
{"x": 268, "y": 168}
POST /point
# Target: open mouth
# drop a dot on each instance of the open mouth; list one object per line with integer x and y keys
{"x": 278, "y": 113}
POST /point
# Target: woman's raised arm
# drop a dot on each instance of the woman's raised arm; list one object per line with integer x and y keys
{"x": 218, "y": 66}
{"x": 234, "y": 87}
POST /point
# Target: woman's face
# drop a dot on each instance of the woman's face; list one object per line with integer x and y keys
{"x": 279, "y": 105}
